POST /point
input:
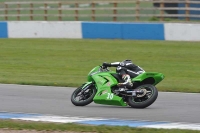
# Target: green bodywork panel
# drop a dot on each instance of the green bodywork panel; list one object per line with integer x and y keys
{"x": 104, "y": 95}
{"x": 92, "y": 72}
{"x": 156, "y": 76}
{"x": 104, "y": 81}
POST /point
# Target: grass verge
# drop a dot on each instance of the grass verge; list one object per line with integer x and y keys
{"x": 41, "y": 126}
{"x": 66, "y": 62}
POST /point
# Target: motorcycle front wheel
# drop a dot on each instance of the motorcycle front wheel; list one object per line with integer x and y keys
{"x": 81, "y": 97}
{"x": 146, "y": 99}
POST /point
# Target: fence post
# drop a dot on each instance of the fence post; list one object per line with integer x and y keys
{"x": 187, "y": 11}
{"x": 18, "y": 12}
{"x": 31, "y": 11}
{"x": 115, "y": 12}
{"x": 45, "y": 11}
{"x": 76, "y": 11}
{"x": 60, "y": 11}
{"x": 93, "y": 11}
{"x": 161, "y": 10}
{"x": 137, "y": 10}
{"x": 6, "y": 12}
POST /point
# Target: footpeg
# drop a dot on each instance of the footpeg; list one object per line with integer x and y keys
{"x": 133, "y": 93}
{"x": 122, "y": 89}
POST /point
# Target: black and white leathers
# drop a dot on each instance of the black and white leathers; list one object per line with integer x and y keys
{"x": 127, "y": 67}
{"x": 127, "y": 70}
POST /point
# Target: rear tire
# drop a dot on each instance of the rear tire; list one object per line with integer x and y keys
{"x": 146, "y": 100}
{"x": 87, "y": 98}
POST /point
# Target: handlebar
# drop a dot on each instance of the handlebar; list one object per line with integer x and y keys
{"x": 103, "y": 69}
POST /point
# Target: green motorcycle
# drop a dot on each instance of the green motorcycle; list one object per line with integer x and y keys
{"x": 102, "y": 89}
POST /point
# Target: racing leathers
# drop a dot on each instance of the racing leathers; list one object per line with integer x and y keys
{"x": 127, "y": 70}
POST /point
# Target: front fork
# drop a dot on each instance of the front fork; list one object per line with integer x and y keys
{"x": 85, "y": 86}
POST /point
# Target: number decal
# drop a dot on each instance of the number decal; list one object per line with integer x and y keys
{"x": 110, "y": 96}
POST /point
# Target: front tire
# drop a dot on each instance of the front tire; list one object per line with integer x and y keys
{"x": 143, "y": 101}
{"x": 86, "y": 97}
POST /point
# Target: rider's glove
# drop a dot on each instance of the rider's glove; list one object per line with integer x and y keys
{"x": 105, "y": 64}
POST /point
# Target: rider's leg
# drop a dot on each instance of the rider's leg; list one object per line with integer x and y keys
{"x": 126, "y": 77}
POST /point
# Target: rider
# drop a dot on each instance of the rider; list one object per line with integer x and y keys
{"x": 127, "y": 70}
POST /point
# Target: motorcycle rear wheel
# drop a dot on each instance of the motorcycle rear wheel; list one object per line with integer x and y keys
{"x": 141, "y": 101}
{"x": 85, "y": 98}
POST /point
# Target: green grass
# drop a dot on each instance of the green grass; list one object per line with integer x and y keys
{"x": 66, "y": 62}
{"x": 39, "y": 126}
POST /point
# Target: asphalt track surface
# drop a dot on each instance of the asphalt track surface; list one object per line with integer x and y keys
{"x": 171, "y": 107}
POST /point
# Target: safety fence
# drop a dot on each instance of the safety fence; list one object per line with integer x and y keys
{"x": 100, "y": 10}
{"x": 100, "y": 30}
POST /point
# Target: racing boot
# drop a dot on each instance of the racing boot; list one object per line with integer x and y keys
{"x": 127, "y": 84}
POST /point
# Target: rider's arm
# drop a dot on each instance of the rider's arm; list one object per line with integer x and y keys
{"x": 114, "y": 64}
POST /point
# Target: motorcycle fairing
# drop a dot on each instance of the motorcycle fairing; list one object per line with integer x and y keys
{"x": 157, "y": 77}
{"x": 104, "y": 81}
